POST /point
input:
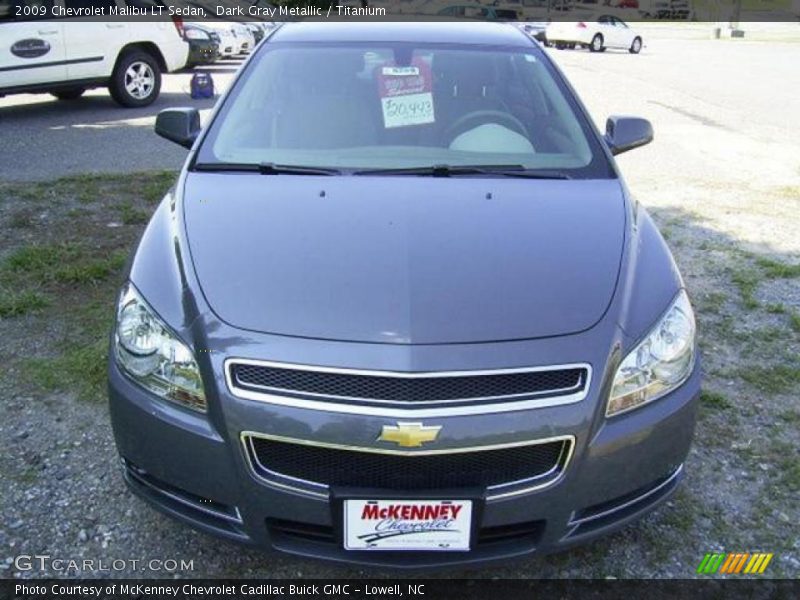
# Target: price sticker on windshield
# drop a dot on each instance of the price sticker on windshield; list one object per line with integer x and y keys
{"x": 406, "y": 95}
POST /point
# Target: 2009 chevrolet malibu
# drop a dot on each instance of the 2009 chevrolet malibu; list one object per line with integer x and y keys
{"x": 400, "y": 309}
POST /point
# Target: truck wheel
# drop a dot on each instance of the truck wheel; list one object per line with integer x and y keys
{"x": 136, "y": 80}
{"x": 69, "y": 94}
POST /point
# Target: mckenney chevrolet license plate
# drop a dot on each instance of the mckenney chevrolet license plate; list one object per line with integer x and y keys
{"x": 407, "y": 524}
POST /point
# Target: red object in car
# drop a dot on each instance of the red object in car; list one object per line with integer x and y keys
{"x": 581, "y": 25}
{"x": 178, "y": 22}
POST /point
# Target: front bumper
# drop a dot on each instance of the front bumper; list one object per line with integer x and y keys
{"x": 202, "y": 52}
{"x": 194, "y": 468}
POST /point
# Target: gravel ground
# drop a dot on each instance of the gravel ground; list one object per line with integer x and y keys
{"x": 723, "y": 181}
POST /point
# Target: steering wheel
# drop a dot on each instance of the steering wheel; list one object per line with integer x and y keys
{"x": 483, "y": 117}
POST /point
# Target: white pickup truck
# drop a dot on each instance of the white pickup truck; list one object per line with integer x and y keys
{"x": 43, "y": 53}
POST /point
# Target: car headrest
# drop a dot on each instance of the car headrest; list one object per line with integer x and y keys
{"x": 464, "y": 75}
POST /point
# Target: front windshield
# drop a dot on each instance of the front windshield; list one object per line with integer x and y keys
{"x": 367, "y": 107}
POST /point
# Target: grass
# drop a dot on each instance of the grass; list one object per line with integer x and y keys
{"x": 746, "y": 280}
{"x": 777, "y": 270}
{"x": 714, "y": 400}
{"x": 774, "y": 379}
{"x": 782, "y": 456}
{"x": 683, "y": 515}
{"x": 746, "y": 277}
{"x": 791, "y": 416}
{"x": 794, "y": 321}
{"x": 79, "y": 364}
{"x": 131, "y": 215}
{"x": 22, "y": 219}
{"x": 69, "y": 274}
{"x": 15, "y": 304}
{"x": 713, "y": 302}
{"x": 146, "y": 187}
{"x": 91, "y": 270}
{"x": 39, "y": 261}
{"x": 31, "y": 276}
{"x": 59, "y": 262}
{"x": 789, "y": 468}
{"x": 79, "y": 367}
{"x": 156, "y": 184}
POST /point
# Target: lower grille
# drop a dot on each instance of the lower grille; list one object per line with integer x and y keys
{"x": 474, "y": 468}
{"x": 280, "y": 529}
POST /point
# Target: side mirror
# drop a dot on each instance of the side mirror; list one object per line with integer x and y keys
{"x": 627, "y": 133}
{"x": 179, "y": 125}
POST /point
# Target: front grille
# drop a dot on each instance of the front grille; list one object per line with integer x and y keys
{"x": 400, "y": 388}
{"x": 448, "y": 470}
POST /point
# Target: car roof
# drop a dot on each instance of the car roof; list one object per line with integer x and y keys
{"x": 448, "y": 32}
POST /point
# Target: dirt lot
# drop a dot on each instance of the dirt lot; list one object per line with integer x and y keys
{"x": 723, "y": 181}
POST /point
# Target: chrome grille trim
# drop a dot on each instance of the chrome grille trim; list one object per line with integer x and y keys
{"x": 397, "y": 409}
{"x": 320, "y": 490}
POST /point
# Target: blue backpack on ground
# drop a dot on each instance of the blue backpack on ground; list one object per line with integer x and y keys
{"x": 202, "y": 86}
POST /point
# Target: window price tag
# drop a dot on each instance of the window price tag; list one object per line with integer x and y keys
{"x": 406, "y": 95}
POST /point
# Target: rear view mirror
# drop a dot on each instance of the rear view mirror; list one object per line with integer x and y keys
{"x": 179, "y": 125}
{"x": 627, "y": 133}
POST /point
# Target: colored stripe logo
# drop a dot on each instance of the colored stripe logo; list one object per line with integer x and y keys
{"x": 734, "y": 563}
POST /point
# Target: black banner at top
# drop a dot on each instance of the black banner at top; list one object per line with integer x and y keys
{"x": 722, "y": 11}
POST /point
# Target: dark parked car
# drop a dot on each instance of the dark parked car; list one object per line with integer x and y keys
{"x": 203, "y": 44}
{"x": 400, "y": 309}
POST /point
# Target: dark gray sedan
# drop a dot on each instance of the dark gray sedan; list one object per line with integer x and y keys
{"x": 400, "y": 309}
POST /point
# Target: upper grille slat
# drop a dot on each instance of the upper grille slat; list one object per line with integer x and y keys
{"x": 401, "y": 388}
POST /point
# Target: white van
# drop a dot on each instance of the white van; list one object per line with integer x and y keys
{"x": 42, "y": 53}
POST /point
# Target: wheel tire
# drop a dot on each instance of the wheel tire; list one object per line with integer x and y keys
{"x": 69, "y": 94}
{"x": 636, "y": 46}
{"x": 597, "y": 43}
{"x": 136, "y": 80}
{"x": 560, "y": 46}
{"x": 571, "y": 46}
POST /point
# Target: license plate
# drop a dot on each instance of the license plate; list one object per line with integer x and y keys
{"x": 441, "y": 525}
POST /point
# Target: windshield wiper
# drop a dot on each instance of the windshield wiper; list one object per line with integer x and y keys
{"x": 456, "y": 170}
{"x": 266, "y": 168}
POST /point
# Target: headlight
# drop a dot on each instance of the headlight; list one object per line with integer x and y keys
{"x": 659, "y": 364}
{"x": 196, "y": 34}
{"x": 153, "y": 356}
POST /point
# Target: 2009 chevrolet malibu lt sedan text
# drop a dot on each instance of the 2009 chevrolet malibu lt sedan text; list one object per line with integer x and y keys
{"x": 400, "y": 309}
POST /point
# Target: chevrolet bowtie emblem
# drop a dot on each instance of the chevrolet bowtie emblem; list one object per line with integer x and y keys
{"x": 409, "y": 435}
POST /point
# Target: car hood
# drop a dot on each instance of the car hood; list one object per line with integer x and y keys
{"x": 407, "y": 260}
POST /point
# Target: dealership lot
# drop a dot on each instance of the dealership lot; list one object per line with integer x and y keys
{"x": 47, "y": 138}
{"x": 722, "y": 179}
